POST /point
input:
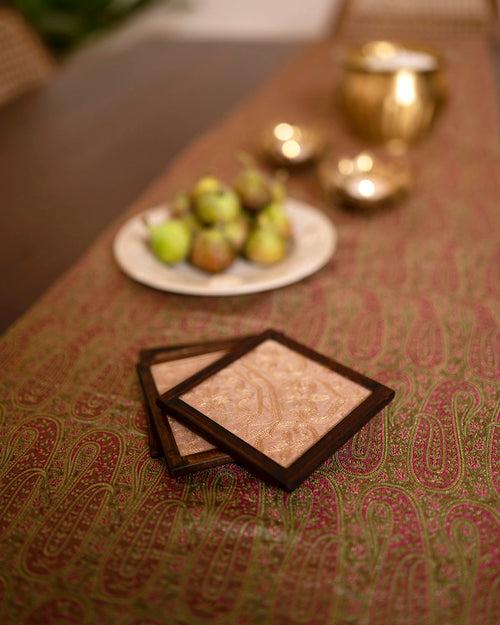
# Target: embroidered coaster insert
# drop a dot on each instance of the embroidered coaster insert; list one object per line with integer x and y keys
{"x": 277, "y": 406}
{"x": 167, "y": 375}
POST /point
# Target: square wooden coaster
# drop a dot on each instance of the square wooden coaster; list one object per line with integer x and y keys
{"x": 276, "y": 406}
{"x": 161, "y": 368}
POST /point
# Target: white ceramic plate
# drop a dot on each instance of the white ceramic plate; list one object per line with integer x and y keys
{"x": 315, "y": 239}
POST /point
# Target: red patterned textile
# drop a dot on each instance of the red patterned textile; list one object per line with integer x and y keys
{"x": 398, "y": 527}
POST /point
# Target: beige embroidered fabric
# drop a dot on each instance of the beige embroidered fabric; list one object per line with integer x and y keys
{"x": 166, "y": 375}
{"x": 276, "y": 400}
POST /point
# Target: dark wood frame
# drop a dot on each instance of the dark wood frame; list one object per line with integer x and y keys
{"x": 286, "y": 477}
{"x": 160, "y": 436}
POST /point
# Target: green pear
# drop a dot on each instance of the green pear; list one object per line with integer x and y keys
{"x": 211, "y": 250}
{"x": 278, "y": 190}
{"x": 265, "y": 246}
{"x": 192, "y": 223}
{"x": 170, "y": 241}
{"x": 219, "y": 206}
{"x": 253, "y": 188}
{"x": 236, "y": 232}
{"x": 274, "y": 216}
{"x": 207, "y": 184}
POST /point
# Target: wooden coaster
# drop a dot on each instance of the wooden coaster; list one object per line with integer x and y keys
{"x": 276, "y": 406}
{"x": 161, "y": 368}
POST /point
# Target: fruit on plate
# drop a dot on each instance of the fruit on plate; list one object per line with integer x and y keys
{"x": 265, "y": 246}
{"x": 207, "y": 184}
{"x": 192, "y": 223}
{"x": 254, "y": 189}
{"x": 278, "y": 189}
{"x": 212, "y": 223}
{"x": 236, "y": 232}
{"x": 274, "y": 217}
{"x": 180, "y": 205}
{"x": 221, "y": 206}
{"x": 170, "y": 241}
{"x": 211, "y": 251}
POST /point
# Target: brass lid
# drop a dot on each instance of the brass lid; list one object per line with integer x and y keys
{"x": 387, "y": 57}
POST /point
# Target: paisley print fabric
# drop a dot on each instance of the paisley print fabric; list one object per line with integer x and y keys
{"x": 399, "y": 527}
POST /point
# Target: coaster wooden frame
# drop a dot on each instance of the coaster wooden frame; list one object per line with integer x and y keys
{"x": 160, "y": 436}
{"x": 262, "y": 465}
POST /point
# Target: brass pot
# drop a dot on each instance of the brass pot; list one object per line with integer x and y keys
{"x": 390, "y": 91}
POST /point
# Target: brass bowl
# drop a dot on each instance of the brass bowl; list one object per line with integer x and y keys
{"x": 289, "y": 145}
{"x": 365, "y": 181}
{"x": 391, "y": 91}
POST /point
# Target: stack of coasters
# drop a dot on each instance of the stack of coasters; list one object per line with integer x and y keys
{"x": 159, "y": 370}
{"x": 272, "y": 404}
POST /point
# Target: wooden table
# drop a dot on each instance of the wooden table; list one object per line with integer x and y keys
{"x": 74, "y": 154}
{"x": 397, "y": 527}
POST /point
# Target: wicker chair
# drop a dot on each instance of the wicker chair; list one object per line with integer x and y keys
{"x": 24, "y": 62}
{"x": 390, "y": 18}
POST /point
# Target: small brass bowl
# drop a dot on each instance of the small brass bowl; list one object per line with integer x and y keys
{"x": 365, "y": 181}
{"x": 290, "y": 145}
{"x": 391, "y": 91}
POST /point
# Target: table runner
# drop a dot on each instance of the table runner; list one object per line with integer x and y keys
{"x": 399, "y": 526}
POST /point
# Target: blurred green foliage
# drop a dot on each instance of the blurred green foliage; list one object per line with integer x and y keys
{"x": 65, "y": 23}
